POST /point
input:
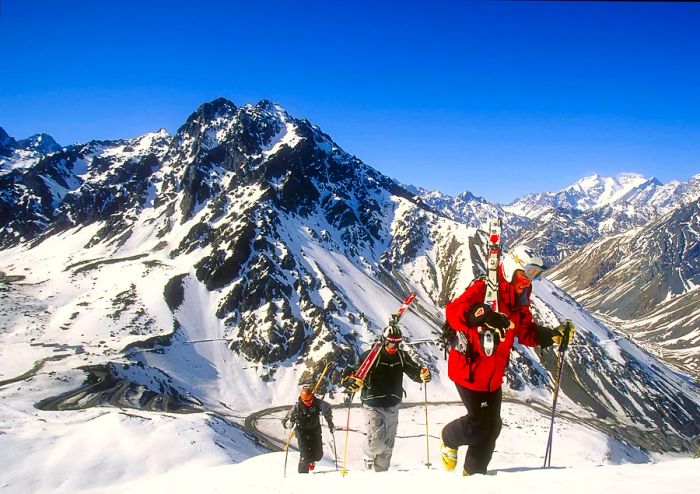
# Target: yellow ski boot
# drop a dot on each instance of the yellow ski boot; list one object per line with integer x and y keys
{"x": 449, "y": 457}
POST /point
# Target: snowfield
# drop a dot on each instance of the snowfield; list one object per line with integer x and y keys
{"x": 107, "y": 450}
{"x": 258, "y": 476}
{"x": 112, "y": 450}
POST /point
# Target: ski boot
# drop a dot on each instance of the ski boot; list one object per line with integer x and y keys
{"x": 369, "y": 463}
{"x": 312, "y": 465}
{"x": 448, "y": 456}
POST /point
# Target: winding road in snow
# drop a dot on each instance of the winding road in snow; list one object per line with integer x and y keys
{"x": 646, "y": 439}
{"x": 30, "y": 373}
{"x": 654, "y": 440}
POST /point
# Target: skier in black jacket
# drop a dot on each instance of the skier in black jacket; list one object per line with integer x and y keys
{"x": 305, "y": 415}
{"x": 382, "y": 392}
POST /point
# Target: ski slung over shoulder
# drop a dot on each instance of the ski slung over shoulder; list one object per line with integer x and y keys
{"x": 406, "y": 303}
{"x": 488, "y": 342}
{"x": 369, "y": 360}
{"x": 493, "y": 256}
{"x": 493, "y": 259}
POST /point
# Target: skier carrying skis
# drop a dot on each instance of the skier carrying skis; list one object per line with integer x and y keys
{"x": 382, "y": 392}
{"x": 478, "y": 374}
{"x": 305, "y": 415}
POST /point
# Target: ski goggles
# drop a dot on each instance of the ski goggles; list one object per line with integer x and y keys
{"x": 533, "y": 271}
{"x": 392, "y": 342}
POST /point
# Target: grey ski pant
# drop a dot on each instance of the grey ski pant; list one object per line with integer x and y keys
{"x": 381, "y": 432}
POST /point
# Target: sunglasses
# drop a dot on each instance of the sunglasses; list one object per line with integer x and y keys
{"x": 308, "y": 402}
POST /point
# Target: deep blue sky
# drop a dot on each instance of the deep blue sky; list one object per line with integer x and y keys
{"x": 499, "y": 98}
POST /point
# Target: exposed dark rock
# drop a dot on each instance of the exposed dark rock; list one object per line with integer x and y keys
{"x": 174, "y": 292}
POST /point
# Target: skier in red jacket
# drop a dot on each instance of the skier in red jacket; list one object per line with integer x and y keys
{"x": 478, "y": 374}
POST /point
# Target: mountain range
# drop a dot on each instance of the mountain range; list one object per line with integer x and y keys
{"x": 227, "y": 262}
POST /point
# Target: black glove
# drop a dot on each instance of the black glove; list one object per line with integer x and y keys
{"x": 496, "y": 321}
{"x": 331, "y": 427}
{"x": 476, "y": 314}
{"x": 483, "y": 315}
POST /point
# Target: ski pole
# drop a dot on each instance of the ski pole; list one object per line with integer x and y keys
{"x": 286, "y": 451}
{"x": 427, "y": 445}
{"x": 335, "y": 452}
{"x": 291, "y": 434}
{"x": 344, "y": 470}
{"x": 557, "y": 384}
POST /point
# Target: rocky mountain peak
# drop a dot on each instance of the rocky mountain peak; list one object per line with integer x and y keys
{"x": 467, "y": 196}
{"x": 6, "y": 140}
{"x": 220, "y": 107}
{"x": 43, "y": 143}
{"x": 7, "y": 144}
{"x": 266, "y": 105}
{"x": 206, "y": 128}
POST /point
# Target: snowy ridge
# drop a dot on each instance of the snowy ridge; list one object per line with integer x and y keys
{"x": 590, "y": 192}
{"x": 557, "y": 224}
{"x": 471, "y": 210}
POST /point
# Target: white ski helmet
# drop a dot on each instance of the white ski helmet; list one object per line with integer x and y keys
{"x": 522, "y": 257}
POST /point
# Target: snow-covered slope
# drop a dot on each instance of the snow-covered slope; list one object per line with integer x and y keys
{"x": 260, "y": 476}
{"x": 127, "y": 451}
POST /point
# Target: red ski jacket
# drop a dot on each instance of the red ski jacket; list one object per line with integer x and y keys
{"x": 476, "y": 371}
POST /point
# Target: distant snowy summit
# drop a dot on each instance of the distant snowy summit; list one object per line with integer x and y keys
{"x": 24, "y": 152}
{"x": 559, "y": 223}
{"x": 588, "y": 193}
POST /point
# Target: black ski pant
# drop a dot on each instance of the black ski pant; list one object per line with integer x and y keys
{"x": 478, "y": 429}
{"x": 310, "y": 447}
